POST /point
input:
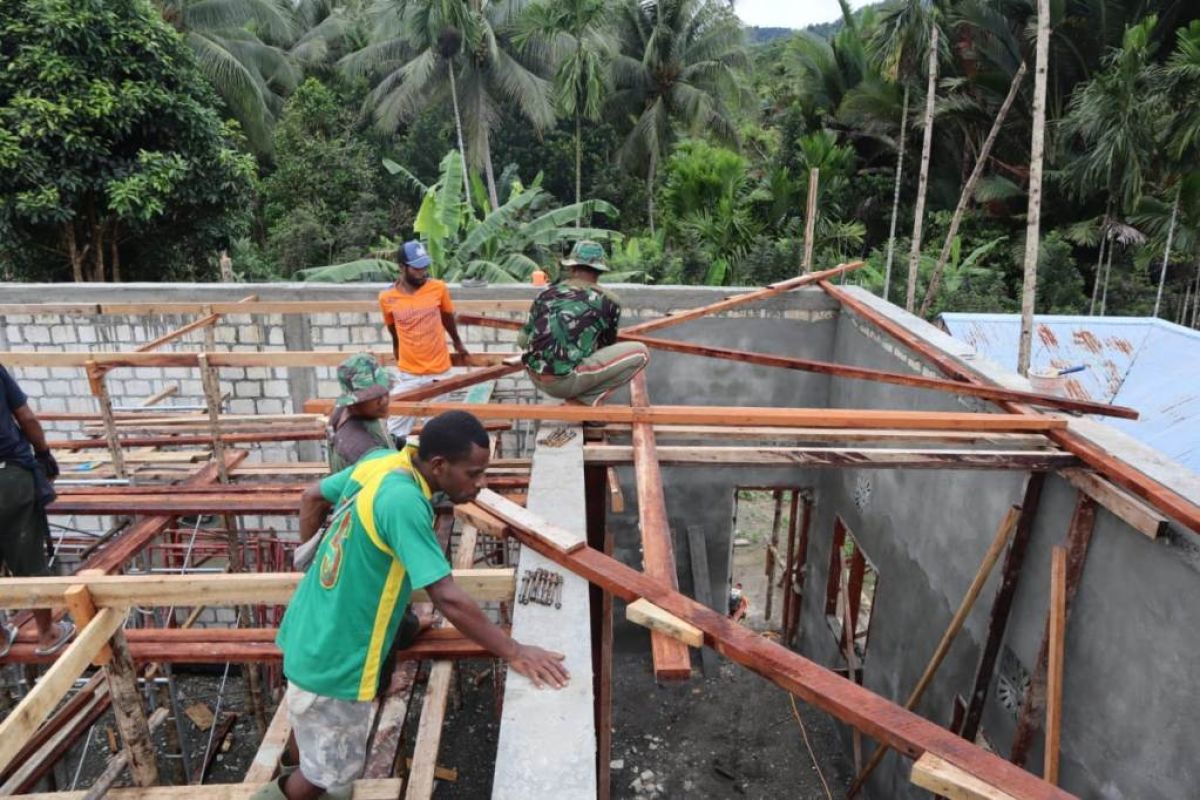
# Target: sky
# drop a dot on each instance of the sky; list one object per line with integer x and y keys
{"x": 790, "y": 13}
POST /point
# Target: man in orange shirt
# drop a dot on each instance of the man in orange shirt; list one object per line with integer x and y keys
{"x": 418, "y": 313}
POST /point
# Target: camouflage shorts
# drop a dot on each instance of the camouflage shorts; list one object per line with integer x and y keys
{"x": 332, "y": 737}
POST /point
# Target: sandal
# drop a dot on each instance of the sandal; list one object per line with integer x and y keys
{"x": 10, "y": 635}
{"x": 59, "y": 643}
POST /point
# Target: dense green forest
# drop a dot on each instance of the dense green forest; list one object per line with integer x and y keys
{"x": 140, "y": 138}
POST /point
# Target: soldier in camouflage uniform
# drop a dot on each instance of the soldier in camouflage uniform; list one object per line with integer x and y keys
{"x": 570, "y": 339}
{"x": 357, "y": 424}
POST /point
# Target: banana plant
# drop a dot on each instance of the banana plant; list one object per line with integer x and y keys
{"x": 501, "y": 246}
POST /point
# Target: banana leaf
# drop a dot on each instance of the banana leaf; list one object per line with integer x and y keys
{"x": 365, "y": 269}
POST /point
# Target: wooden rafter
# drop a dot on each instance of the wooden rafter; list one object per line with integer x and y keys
{"x": 855, "y": 457}
{"x": 994, "y": 393}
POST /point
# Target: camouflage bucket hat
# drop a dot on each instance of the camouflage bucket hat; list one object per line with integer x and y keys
{"x": 362, "y": 379}
{"x": 586, "y": 254}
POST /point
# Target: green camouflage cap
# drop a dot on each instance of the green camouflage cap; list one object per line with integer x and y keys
{"x": 362, "y": 379}
{"x": 586, "y": 254}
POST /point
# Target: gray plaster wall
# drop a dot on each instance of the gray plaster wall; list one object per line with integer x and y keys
{"x": 1130, "y": 715}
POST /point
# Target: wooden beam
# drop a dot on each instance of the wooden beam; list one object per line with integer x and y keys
{"x": 875, "y": 458}
{"x": 1079, "y": 538}
{"x": 643, "y": 612}
{"x": 185, "y": 440}
{"x": 385, "y": 789}
{"x": 875, "y": 716}
{"x": 671, "y": 660}
{"x": 270, "y": 358}
{"x": 999, "y": 541}
{"x": 1054, "y": 671}
{"x": 1010, "y": 577}
{"x": 943, "y": 778}
{"x": 33, "y": 709}
{"x": 83, "y": 610}
{"x": 1134, "y": 512}
{"x": 99, "y": 387}
{"x": 513, "y": 514}
{"x": 743, "y": 415}
{"x": 760, "y": 433}
{"x": 1119, "y": 472}
{"x": 55, "y": 736}
{"x": 740, "y": 299}
{"x": 241, "y": 307}
{"x": 484, "y": 585}
{"x": 701, "y": 585}
{"x": 388, "y": 739}
{"x": 217, "y": 645}
{"x": 270, "y": 749}
{"x": 993, "y": 393}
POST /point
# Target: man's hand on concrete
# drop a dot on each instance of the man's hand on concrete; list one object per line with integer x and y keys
{"x": 540, "y": 666}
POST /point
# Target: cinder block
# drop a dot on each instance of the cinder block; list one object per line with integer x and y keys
{"x": 335, "y": 336}
{"x": 37, "y": 334}
{"x": 138, "y": 388}
{"x": 241, "y": 405}
{"x": 59, "y": 388}
{"x": 270, "y": 406}
{"x": 257, "y": 373}
{"x": 247, "y": 389}
{"x": 87, "y": 334}
{"x": 63, "y": 334}
{"x": 275, "y": 389}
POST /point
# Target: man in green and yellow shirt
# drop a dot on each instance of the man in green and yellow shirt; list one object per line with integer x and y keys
{"x": 342, "y": 620}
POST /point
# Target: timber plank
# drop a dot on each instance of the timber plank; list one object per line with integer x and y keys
{"x": 857, "y": 457}
{"x": 643, "y": 612}
{"x": 994, "y": 393}
{"x": 383, "y": 789}
{"x": 1133, "y": 511}
{"x": 672, "y": 661}
{"x": 742, "y": 415}
{"x": 484, "y": 585}
{"x": 945, "y": 779}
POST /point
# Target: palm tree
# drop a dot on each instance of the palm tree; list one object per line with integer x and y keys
{"x": 907, "y": 30}
{"x": 230, "y": 39}
{"x": 578, "y": 42}
{"x": 419, "y": 48}
{"x": 1033, "y": 219}
{"x": 681, "y": 67}
{"x": 1106, "y": 123}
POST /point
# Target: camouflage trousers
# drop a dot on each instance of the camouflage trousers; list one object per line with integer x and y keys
{"x": 331, "y": 735}
{"x": 598, "y": 375}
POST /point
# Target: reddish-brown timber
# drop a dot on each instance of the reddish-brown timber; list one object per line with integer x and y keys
{"x": 875, "y": 716}
{"x": 275, "y": 435}
{"x": 854, "y": 418}
{"x": 672, "y": 660}
{"x": 741, "y": 299}
{"x": 1166, "y": 500}
{"x": 215, "y": 645}
{"x": 994, "y": 393}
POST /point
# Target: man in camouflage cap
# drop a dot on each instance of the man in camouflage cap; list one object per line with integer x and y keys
{"x": 570, "y": 339}
{"x": 357, "y": 424}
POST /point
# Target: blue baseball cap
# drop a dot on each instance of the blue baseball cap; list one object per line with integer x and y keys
{"x": 413, "y": 254}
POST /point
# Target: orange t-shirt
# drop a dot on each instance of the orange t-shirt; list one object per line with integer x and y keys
{"x": 417, "y": 320}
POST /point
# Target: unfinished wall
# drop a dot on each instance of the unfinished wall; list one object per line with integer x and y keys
{"x": 1129, "y": 718}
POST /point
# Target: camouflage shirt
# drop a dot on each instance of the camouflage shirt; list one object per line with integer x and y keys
{"x": 567, "y": 323}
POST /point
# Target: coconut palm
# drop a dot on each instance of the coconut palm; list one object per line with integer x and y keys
{"x": 235, "y": 42}
{"x": 420, "y": 49}
{"x": 574, "y": 37}
{"x": 680, "y": 70}
{"x": 906, "y": 35}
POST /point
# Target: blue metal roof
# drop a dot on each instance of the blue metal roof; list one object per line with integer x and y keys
{"x": 1148, "y": 364}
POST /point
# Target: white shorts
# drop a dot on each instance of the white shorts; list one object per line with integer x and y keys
{"x": 406, "y": 382}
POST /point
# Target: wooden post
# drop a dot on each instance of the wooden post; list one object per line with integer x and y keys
{"x": 212, "y": 398}
{"x": 772, "y": 550}
{"x": 851, "y": 669}
{"x": 1079, "y": 537}
{"x": 79, "y": 603}
{"x": 796, "y": 591}
{"x": 1054, "y": 671}
{"x": 130, "y": 713}
{"x": 701, "y": 584}
{"x": 789, "y": 564}
{"x": 999, "y": 541}
{"x": 1010, "y": 576}
{"x": 96, "y": 381}
{"x": 810, "y": 218}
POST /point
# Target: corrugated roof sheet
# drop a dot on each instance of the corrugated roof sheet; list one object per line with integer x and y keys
{"x": 1142, "y": 362}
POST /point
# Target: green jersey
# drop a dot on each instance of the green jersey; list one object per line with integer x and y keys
{"x": 380, "y": 546}
{"x": 567, "y": 323}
